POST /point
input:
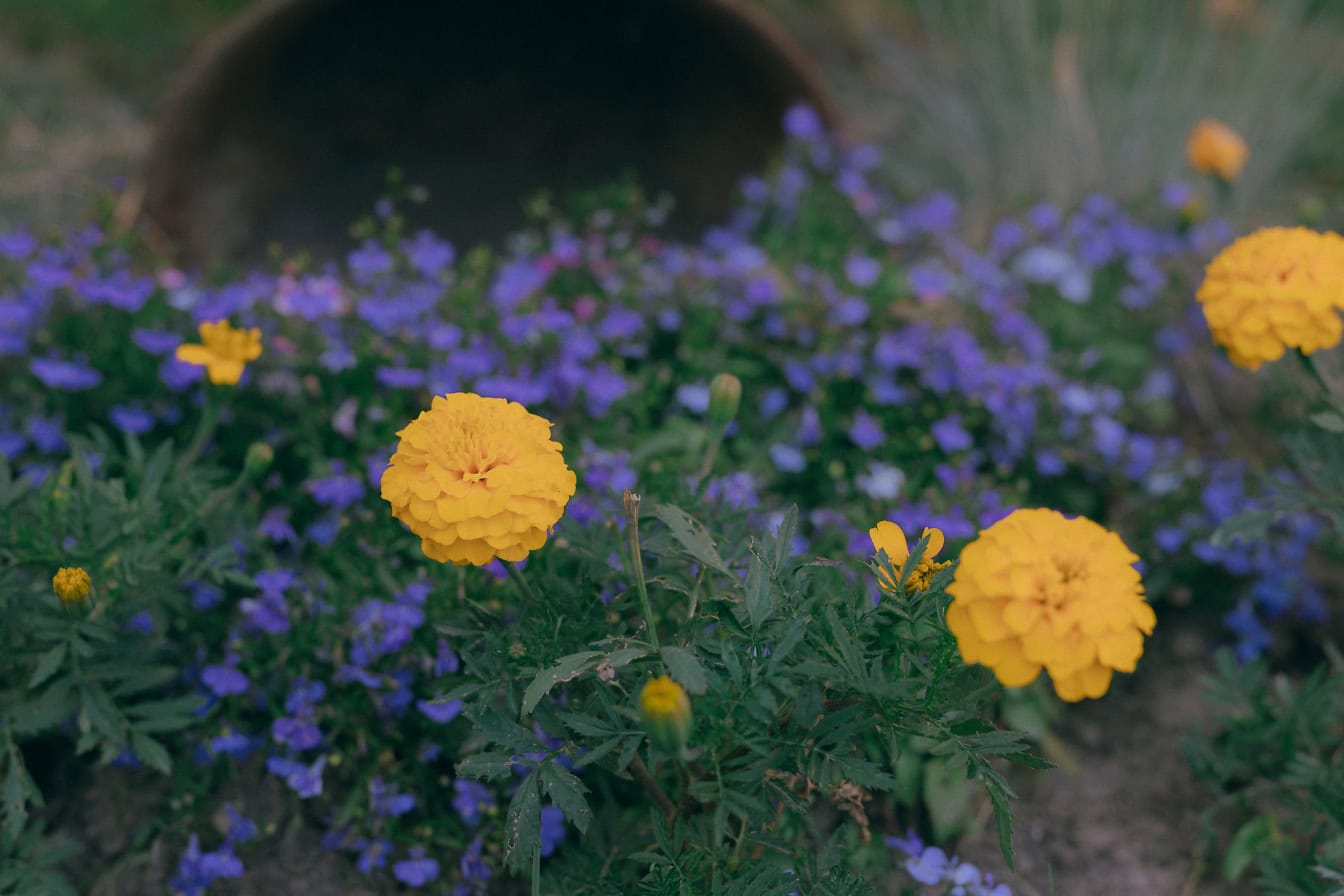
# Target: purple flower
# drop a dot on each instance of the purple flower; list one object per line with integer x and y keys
{"x": 297, "y": 733}
{"x": 179, "y": 375}
{"x": 472, "y": 800}
{"x": 131, "y": 419}
{"x": 205, "y": 596}
{"x": 950, "y": 435}
{"x": 440, "y": 711}
{"x": 369, "y": 261}
{"x": 865, "y": 431}
{"x": 694, "y": 397}
{"x": 46, "y": 433}
{"x": 387, "y": 802}
{"x": 417, "y": 870}
{"x": 241, "y": 829}
{"x": 803, "y": 123}
{"x": 225, "y": 680}
{"x": 339, "y": 490}
{"x": 69, "y": 375}
{"x": 552, "y": 829}
{"x": 787, "y": 459}
{"x": 400, "y": 377}
{"x": 428, "y": 254}
{"x": 305, "y": 780}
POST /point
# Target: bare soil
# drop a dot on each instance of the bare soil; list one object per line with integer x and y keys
{"x": 1122, "y": 818}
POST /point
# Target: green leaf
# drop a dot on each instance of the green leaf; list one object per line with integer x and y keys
{"x": 1250, "y": 840}
{"x": 486, "y": 766}
{"x": 685, "y": 669}
{"x": 691, "y": 536}
{"x": 566, "y": 669}
{"x": 567, "y": 792}
{"x": 151, "y": 752}
{"x": 757, "y": 593}
{"x": 1003, "y": 820}
{"x": 522, "y": 827}
{"x": 1330, "y": 421}
{"x": 48, "y": 665}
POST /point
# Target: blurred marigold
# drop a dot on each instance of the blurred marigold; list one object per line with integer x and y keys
{"x": 1279, "y": 288}
{"x": 478, "y": 479}
{"x": 1038, "y": 589}
{"x": 225, "y": 351}
{"x": 1214, "y": 148}
{"x": 666, "y": 712}
{"x": 71, "y": 584}
{"x": 889, "y": 537}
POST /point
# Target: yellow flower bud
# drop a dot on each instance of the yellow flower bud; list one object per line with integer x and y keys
{"x": 725, "y": 395}
{"x": 258, "y": 459}
{"x": 665, "y": 711}
{"x": 71, "y": 584}
{"x": 1214, "y": 148}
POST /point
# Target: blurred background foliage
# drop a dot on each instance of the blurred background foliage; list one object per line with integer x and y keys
{"x": 1003, "y": 103}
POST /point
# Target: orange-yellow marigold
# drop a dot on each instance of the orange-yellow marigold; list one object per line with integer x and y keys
{"x": 1214, "y": 148}
{"x": 71, "y": 584}
{"x": 889, "y": 537}
{"x": 1279, "y": 288}
{"x": 1038, "y": 590}
{"x": 478, "y": 479}
{"x": 224, "y": 351}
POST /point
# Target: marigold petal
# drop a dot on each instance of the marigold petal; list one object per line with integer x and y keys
{"x": 887, "y": 536}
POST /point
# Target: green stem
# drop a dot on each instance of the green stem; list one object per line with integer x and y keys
{"x": 523, "y": 584}
{"x": 1315, "y": 374}
{"x": 536, "y": 870}
{"x": 637, "y": 565}
{"x": 205, "y": 428}
{"x": 711, "y": 455}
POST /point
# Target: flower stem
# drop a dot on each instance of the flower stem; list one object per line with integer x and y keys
{"x": 536, "y": 870}
{"x": 631, "y": 501}
{"x": 711, "y": 454}
{"x": 1314, "y": 372}
{"x": 205, "y": 428}
{"x": 519, "y": 579}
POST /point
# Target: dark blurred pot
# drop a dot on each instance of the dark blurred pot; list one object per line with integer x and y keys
{"x": 286, "y": 124}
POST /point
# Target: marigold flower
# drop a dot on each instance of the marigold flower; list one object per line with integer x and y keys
{"x": 666, "y": 712}
{"x": 1214, "y": 148}
{"x": 225, "y": 351}
{"x": 889, "y": 537}
{"x": 1279, "y": 288}
{"x": 1039, "y": 590}
{"x": 71, "y": 584}
{"x": 478, "y": 479}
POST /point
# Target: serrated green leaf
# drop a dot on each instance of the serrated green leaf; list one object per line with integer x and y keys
{"x": 566, "y": 669}
{"x": 48, "y": 665}
{"x": 685, "y": 669}
{"x": 522, "y": 825}
{"x": 691, "y": 536}
{"x": 486, "y": 766}
{"x": 567, "y": 793}
{"x": 1003, "y": 821}
{"x": 151, "y": 752}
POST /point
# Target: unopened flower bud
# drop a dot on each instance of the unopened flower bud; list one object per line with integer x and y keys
{"x": 725, "y": 395}
{"x": 71, "y": 584}
{"x": 258, "y": 459}
{"x": 665, "y": 711}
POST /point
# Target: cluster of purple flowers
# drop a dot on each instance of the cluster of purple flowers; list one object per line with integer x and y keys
{"x": 912, "y": 376}
{"x": 931, "y": 866}
{"x": 197, "y": 870}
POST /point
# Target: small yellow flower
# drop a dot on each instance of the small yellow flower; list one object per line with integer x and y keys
{"x": 478, "y": 478}
{"x": 1039, "y": 590}
{"x": 1214, "y": 148}
{"x": 889, "y": 537}
{"x": 225, "y": 351}
{"x": 666, "y": 712}
{"x": 71, "y": 584}
{"x": 1279, "y": 288}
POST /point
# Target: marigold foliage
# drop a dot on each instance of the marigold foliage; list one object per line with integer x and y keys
{"x": 1039, "y": 590}
{"x": 478, "y": 479}
{"x": 889, "y": 537}
{"x": 1214, "y": 148}
{"x": 224, "y": 353}
{"x": 1278, "y": 288}
{"x": 71, "y": 584}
